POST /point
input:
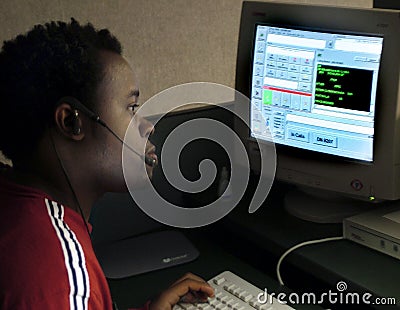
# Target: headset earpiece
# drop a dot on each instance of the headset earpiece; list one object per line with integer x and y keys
{"x": 76, "y": 128}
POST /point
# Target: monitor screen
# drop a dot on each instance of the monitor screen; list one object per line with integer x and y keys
{"x": 324, "y": 81}
{"x": 315, "y": 90}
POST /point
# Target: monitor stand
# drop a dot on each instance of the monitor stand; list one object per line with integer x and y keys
{"x": 144, "y": 253}
{"x": 321, "y": 206}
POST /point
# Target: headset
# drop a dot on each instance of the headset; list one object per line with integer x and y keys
{"x": 76, "y": 129}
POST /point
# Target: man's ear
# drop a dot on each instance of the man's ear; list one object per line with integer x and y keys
{"x": 69, "y": 122}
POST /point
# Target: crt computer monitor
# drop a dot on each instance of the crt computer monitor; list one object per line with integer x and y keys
{"x": 324, "y": 81}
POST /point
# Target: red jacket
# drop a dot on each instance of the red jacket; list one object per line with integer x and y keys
{"x": 46, "y": 256}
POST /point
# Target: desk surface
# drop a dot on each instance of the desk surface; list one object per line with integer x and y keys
{"x": 250, "y": 245}
{"x": 273, "y": 231}
{"x": 136, "y": 290}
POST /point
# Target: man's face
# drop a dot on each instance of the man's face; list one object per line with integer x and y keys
{"x": 117, "y": 103}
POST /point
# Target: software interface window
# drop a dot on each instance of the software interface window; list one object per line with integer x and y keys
{"x": 315, "y": 90}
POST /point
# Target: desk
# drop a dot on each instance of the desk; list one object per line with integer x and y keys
{"x": 250, "y": 245}
{"x": 136, "y": 290}
{"x": 271, "y": 231}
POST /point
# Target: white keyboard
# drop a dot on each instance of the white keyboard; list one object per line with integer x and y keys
{"x": 233, "y": 293}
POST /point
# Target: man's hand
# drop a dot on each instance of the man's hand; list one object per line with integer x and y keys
{"x": 190, "y": 288}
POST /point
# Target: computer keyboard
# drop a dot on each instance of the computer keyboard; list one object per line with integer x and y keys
{"x": 233, "y": 293}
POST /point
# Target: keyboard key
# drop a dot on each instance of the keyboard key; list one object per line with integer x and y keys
{"x": 236, "y": 292}
{"x": 242, "y": 294}
{"x": 230, "y": 303}
{"x": 219, "y": 281}
{"x": 224, "y": 299}
{"x": 187, "y": 306}
{"x": 253, "y": 302}
{"x": 232, "y": 288}
{"x": 247, "y": 297}
{"x": 227, "y": 286}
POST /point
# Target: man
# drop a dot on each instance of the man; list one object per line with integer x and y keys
{"x": 63, "y": 161}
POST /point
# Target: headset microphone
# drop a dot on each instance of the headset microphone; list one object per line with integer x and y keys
{"x": 75, "y": 103}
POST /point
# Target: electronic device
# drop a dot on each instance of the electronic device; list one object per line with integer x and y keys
{"x": 378, "y": 229}
{"x": 233, "y": 292}
{"x": 324, "y": 81}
